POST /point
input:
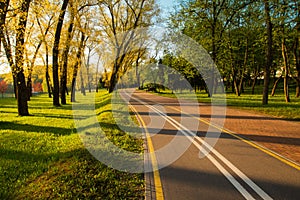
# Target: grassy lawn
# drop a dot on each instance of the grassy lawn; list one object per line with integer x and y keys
{"x": 42, "y": 156}
{"x": 276, "y": 107}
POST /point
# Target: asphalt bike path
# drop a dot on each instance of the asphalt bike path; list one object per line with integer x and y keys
{"x": 188, "y": 164}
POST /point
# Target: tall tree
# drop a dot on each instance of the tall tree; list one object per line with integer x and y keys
{"x": 63, "y": 82}
{"x": 269, "y": 51}
{"x": 207, "y": 23}
{"x": 77, "y": 65}
{"x": 46, "y": 61}
{"x": 120, "y": 29}
{"x": 22, "y": 94}
{"x": 55, "y": 53}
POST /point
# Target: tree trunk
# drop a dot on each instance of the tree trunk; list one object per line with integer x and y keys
{"x": 137, "y": 74}
{"x": 21, "y": 83}
{"x": 88, "y": 71}
{"x": 22, "y": 94}
{"x": 64, "y": 76}
{"x": 114, "y": 76}
{"x": 3, "y": 12}
{"x": 297, "y": 55}
{"x": 275, "y": 86}
{"x": 97, "y": 70}
{"x": 286, "y": 71}
{"x": 56, "y": 52}
{"x": 269, "y": 57}
{"x": 31, "y": 65}
{"x": 48, "y": 84}
{"x": 47, "y": 72}
{"x": 236, "y": 88}
{"x": 29, "y": 86}
{"x": 82, "y": 88}
{"x": 242, "y": 70}
{"x": 76, "y": 66}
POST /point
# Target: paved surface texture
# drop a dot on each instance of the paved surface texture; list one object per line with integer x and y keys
{"x": 233, "y": 169}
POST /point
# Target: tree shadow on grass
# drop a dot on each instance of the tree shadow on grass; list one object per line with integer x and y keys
{"x": 55, "y": 116}
{"x": 38, "y": 129}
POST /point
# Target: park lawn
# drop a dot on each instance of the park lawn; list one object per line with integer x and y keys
{"x": 42, "y": 156}
{"x": 277, "y": 107}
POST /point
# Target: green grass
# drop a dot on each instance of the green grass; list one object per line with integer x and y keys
{"x": 277, "y": 107}
{"x": 42, "y": 156}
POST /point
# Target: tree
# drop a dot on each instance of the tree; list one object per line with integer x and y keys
{"x": 46, "y": 61}
{"x": 22, "y": 94}
{"x": 269, "y": 51}
{"x": 77, "y": 66}
{"x": 286, "y": 69}
{"x": 41, "y": 40}
{"x": 207, "y": 22}
{"x": 120, "y": 30}
{"x": 63, "y": 86}
{"x": 55, "y": 52}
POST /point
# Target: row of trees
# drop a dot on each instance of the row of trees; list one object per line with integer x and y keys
{"x": 246, "y": 39}
{"x": 76, "y": 31}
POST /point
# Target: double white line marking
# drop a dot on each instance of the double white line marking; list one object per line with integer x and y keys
{"x": 191, "y": 136}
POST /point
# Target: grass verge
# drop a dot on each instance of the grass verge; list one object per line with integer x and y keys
{"x": 42, "y": 156}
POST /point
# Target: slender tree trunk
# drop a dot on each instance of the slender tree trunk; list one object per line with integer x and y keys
{"x": 31, "y": 65}
{"x": 214, "y": 51}
{"x": 241, "y": 88}
{"x": 47, "y": 72}
{"x": 137, "y": 74}
{"x": 22, "y": 94}
{"x": 236, "y": 88}
{"x": 64, "y": 76}
{"x": 115, "y": 73}
{"x": 76, "y": 66}
{"x": 297, "y": 54}
{"x": 275, "y": 86}
{"x": 3, "y": 12}
{"x": 82, "y": 88}
{"x": 269, "y": 57}
{"x": 88, "y": 71}
{"x": 286, "y": 71}
{"x": 48, "y": 83}
{"x": 97, "y": 70}
{"x": 29, "y": 80}
{"x": 56, "y": 52}
{"x": 29, "y": 86}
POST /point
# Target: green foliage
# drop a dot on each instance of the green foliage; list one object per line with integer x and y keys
{"x": 42, "y": 156}
{"x": 234, "y": 33}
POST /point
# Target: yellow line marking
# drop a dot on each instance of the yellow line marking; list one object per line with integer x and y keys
{"x": 157, "y": 182}
{"x": 263, "y": 149}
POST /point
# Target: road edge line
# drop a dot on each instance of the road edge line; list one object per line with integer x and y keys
{"x": 156, "y": 175}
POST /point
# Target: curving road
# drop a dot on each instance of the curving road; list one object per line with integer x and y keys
{"x": 194, "y": 164}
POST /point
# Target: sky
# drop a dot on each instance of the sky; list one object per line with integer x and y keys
{"x": 167, "y": 5}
